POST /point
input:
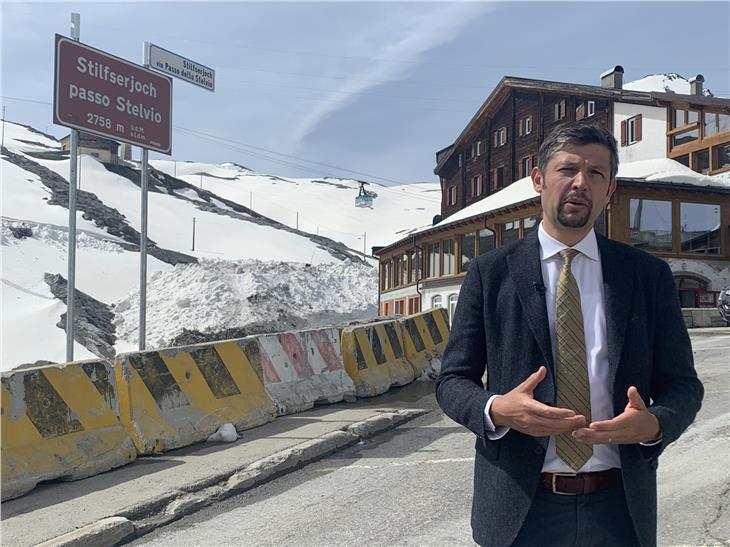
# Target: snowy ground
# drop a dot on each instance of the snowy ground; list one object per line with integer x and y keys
{"x": 251, "y": 274}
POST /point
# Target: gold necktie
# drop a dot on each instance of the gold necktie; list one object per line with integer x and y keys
{"x": 574, "y": 390}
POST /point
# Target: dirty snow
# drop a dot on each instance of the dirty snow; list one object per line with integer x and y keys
{"x": 220, "y": 294}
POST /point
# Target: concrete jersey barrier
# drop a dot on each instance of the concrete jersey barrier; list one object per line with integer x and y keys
{"x": 179, "y": 396}
{"x": 424, "y": 338}
{"x": 300, "y": 369}
{"x": 374, "y": 358}
{"x": 60, "y": 422}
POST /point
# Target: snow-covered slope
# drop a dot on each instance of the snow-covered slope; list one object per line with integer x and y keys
{"x": 227, "y": 283}
{"x": 324, "y": 206}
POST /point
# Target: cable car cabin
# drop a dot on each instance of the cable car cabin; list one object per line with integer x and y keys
{"x": 363, "y": 199}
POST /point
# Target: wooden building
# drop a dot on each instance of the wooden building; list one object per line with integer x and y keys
{"x": 499, "y": 145}
{"x": 105, "y": 150}
{"x": 665, "y": 202}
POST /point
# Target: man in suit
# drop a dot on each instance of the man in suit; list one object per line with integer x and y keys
{"x": 589, "y": 367}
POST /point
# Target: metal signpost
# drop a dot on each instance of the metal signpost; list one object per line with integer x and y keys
{"x": 108, "y": 96}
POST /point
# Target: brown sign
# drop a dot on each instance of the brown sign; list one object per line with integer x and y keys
{"x": 103, "y": 94}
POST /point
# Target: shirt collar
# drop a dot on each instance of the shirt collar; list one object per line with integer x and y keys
{"x": 550, "y": 246}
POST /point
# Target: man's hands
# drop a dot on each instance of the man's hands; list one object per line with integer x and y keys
{"x": 634, "y": 425}
{"x": 519, "y": 410}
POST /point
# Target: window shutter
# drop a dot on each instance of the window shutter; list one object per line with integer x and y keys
{"x": 638, "y": 128}
{"x": 623, "y": 133}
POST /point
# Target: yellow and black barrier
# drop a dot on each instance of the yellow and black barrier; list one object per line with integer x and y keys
{"x": 179, "y": 396}
{"x": 374, "y": 357}
{"x": 60, "y": 422}
{"x": 424, "y": 338}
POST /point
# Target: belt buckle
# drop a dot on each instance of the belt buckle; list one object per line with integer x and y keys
{"x": 553, "y": 483}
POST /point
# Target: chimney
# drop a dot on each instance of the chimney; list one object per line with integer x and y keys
{"x": 695, "y": 85}
{"x": 613, "y": 78}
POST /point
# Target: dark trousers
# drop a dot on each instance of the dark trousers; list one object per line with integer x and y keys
{"x": 600, "y": 519}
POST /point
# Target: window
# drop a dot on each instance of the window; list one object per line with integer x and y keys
{"x": 682, "y": 118}
{"x": 399, "y": 307}
{"x": 451, "y": 195}
{"x": 650, "y": 224}
{"x": 434, "y": 260}
{"x": 449, "y": 258}
{"x": 436, "y": 302}
{"x": 525, "y": 166}
{"x": 385, "y": 279}
{"x": 715, "y": 123}
{"x": 529, "y": 224}
{"x": 525, "y": 126}
{"x": 412, "y": 265}
{"x": 453, "y": 298}
{"x": 473, "y": 150}
{"x": 479, "y": 148}
{"x": 486, "y": 240}
{"x": 700, "y": 226}
{"x": 701, "y": 161}
{"x": 497, "y": 178}
{"x": 461, "y": 160}
{"x": 468, "y": 250}
{"x": 476, "y": 186}
{"x": 631, "y": 130}
{"x": 510, "y": 232}
{"x": 500, "y": 137}
{"x": 710, "y": 124}
{"x": 591, "y": 108}
{"x": 723, "y": 123}
{"x": 414, "y": 305}
{"x": 721, "y": 156}
{"x": 685, "y": 137}
{"x": 684, "y": 160}
{"x": 560, "y": 110}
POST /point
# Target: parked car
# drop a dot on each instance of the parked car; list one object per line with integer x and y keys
{"x": 723, "y": 303}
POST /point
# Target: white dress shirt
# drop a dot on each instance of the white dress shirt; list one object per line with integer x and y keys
{"x": 586, "y": 268}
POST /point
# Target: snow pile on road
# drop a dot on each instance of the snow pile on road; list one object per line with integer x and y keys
{"x": 251, "y": 295}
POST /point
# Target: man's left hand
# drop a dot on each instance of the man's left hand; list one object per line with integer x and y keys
{"x": 634, "y": 425}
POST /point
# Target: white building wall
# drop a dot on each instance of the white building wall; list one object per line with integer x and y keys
{"x": 716, "y": 273}
{"x": 445, "y": 292}
{"x": 653, "y": 143}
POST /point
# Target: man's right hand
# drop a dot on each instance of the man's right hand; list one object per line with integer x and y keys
{"x": 519, "y": 410}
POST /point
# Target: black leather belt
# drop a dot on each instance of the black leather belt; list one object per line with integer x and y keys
{"x": 571, "y": 484}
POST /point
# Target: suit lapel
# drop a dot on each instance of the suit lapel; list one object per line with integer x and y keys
{"x": 526, "y": 273}
{"x": 618, "y": 286}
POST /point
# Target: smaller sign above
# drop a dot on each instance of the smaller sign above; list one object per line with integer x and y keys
{"x": 170, "y": 63}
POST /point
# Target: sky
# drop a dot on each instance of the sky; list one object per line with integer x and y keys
{"x": 366, "y": 90}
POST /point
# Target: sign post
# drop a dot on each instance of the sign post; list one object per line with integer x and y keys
{"x": 71, "y": 273}
{"x": 108, "y": 96}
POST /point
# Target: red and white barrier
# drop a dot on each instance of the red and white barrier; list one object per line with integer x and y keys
{"x": 300, "y": 368}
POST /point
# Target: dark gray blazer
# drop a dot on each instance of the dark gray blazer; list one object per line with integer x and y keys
{"x": 501, "y": 323}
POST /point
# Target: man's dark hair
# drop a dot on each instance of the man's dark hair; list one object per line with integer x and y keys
{"x": 577, "y": 133}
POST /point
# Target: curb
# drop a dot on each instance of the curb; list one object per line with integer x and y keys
{"x": 145, "y": 517}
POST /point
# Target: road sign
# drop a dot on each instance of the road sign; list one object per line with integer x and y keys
{"x": 109, "y": 96}
{"x": 180, "y": 67}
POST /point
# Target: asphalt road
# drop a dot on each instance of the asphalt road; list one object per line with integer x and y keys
{"x": 412, "y": 486}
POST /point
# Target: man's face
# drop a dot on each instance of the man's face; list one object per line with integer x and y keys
{"x": 574, "y": 190}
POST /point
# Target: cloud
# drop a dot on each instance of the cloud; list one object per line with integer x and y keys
{"x": 424, "y": 27}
